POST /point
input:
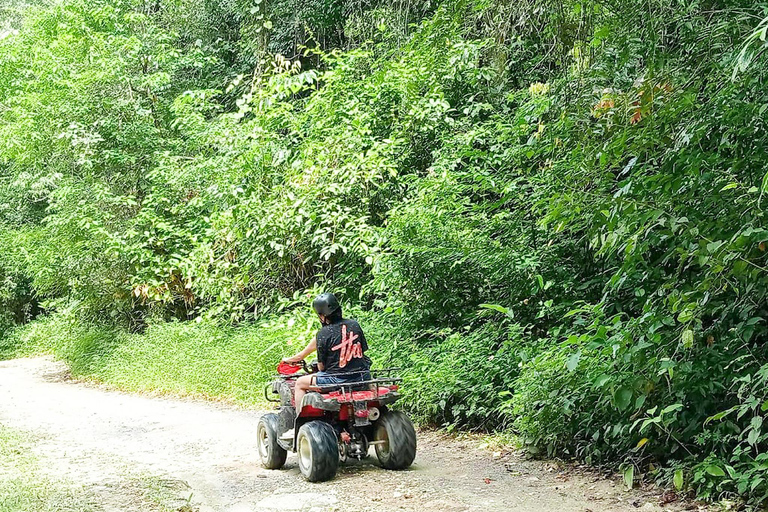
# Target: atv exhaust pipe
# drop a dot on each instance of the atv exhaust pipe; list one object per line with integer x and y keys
{"x": 373, "y": 414}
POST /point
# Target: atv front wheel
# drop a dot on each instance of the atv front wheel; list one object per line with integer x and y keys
{"x": 396, "y": 440}
{"x": 272, "y": 455}
{"x": 318, "y": 448}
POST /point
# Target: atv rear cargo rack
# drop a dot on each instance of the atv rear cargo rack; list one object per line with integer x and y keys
{"x": 340, "y": 374}
{"x": 340, "y": 387}
{"x": 346, "y": 387}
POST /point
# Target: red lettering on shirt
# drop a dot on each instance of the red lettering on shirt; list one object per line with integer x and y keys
{"x": 348, "y": 348}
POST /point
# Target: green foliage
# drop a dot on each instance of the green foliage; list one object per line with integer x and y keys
{"x": 438, "y": 392}
{"x": 551, "y": 214}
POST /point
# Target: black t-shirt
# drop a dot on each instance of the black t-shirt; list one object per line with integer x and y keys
{"x": 341, "y": 347}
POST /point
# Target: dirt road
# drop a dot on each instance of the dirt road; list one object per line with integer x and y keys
{"x": 131, "y": 452}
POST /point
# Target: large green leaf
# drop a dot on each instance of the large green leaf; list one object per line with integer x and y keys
{"x": 622, "y": 397}
{"x": 715, "y": 470}
{"x": 573, "y": 361}
{"x": 629, "y": 476}
{"x": 678, "y": 479}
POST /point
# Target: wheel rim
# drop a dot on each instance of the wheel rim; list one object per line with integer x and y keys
{"x": 383, "y": 436}
{"x": 305, "y": 453}
{"x": 263, "y": 441}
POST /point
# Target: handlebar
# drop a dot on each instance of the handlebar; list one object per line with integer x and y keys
{"x": 285, "y": 368}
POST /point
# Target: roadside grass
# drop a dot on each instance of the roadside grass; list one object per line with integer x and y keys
{"x": 206, "y": 359}
{"x": 234, "y": 363}
{"x": 184, "y": 359}
{"x": 23, "y": 487}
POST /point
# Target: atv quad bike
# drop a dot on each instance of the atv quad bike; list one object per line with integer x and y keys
{"x": 337, "y": 422}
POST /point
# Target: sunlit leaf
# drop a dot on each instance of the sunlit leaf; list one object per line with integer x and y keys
{"x": 678, "y": 479}
{"x": 715, "y": 470}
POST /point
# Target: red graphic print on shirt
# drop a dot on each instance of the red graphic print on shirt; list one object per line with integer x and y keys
{"x": 348, "y": 348}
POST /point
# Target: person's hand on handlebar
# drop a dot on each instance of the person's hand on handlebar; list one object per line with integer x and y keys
{"x": 311, "y": 347}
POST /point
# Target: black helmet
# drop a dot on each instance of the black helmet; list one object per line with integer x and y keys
{"x": 325, "y": 304}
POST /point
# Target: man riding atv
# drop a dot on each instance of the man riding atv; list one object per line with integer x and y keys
{"x": 340, "y": 346}
{"x": 338, "y": 412}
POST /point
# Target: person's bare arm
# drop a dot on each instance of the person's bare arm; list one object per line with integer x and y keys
{"x": 311, "y": 347}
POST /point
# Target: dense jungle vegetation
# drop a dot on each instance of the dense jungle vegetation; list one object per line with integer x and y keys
{"x": 550, "y": 213}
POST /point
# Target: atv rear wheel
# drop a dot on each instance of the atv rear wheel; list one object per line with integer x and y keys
{"x": 317, "y": 446}
{"x": 396, "y": 446}
{"x": 272, "y": 455}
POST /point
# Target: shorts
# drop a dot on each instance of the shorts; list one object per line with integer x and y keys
{"x": 327, "y": 379}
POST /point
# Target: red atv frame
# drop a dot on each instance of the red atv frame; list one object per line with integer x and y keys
{"x": 338, "y": 422}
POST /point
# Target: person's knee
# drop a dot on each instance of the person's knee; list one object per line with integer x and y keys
{"x": 303, "y": 383}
